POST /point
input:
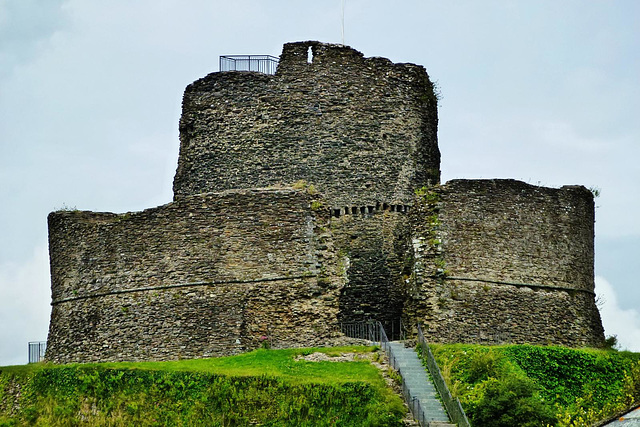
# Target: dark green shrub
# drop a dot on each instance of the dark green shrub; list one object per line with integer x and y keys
{"x": 512, "y": 400}
{"x": 485, "y": 365}
{"x": 611, "y": 342}
{"x": 521, "y": 384}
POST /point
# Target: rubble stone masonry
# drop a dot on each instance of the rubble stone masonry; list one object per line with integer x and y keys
{"x": 506, "y": 262}
{"x": 309, "y": 198}
{"x": 204, "y": 276}
{"x": 362, "y": 130}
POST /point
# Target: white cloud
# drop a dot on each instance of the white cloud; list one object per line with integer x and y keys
{"x": 625, "y": 324}
{"x": 25, "y": 310}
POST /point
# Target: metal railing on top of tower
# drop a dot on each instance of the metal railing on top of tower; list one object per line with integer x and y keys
{"x": 266, "y": 64}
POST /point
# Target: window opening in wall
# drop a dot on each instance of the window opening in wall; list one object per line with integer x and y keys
{"x": 354, "y": 210}
{"x": 385, "y": 206}
{"x": 370, "y": 209}
{"x": 309, "y": 55}
{"x": 362, "y": 210}
{"x": 336, "y": 213}
{"x": 393, "y": 208}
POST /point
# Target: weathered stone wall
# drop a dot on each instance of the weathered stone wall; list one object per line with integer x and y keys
{"x": 372, "y": 244}
{"x": 505, "y": 261}
{"x": 206, "y": 275}
{"x": 487, "y": 313}
{"x": 359, "y": 129}
{"x": 512, "y": 231}
{"x": 230, "y": 261}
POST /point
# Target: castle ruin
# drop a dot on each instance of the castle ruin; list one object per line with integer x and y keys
{"x": 311, "y": 198}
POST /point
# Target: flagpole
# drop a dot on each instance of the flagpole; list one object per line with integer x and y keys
{"x": 343, "y": 22}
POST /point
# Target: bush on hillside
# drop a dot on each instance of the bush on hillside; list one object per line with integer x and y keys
{"x": 534, "y": 385}
{"x": 512, "y": 400}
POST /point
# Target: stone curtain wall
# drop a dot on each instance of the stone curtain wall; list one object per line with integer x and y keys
{"x": 504, "y": 261}
{"x": 359, "y": 129}
{"x": 206, "y": 275}
{"x": 512, "y": 231}
{"x": 497, "y": 314}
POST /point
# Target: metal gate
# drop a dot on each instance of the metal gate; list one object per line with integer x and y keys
{"x": 36, "y": 351}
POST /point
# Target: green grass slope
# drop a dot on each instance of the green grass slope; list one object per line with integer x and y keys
{"x": 523, "y": 385}
{"x": 516, "y": 385}
{"x": 264, "y": 387}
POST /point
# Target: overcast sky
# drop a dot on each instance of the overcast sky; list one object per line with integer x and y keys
{"x": 544, "y": 91}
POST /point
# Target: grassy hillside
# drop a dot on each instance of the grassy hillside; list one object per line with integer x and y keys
{"x": 516, "y": 385}
{"x": 534, "y": 386}
{"x": 265, "y": 387}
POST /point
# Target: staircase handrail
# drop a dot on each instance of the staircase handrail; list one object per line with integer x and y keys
{"x": 414, "y": 404}
{"x": 453, "y": 406}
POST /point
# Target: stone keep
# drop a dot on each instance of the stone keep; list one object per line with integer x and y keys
{"x": 311, "y": 198}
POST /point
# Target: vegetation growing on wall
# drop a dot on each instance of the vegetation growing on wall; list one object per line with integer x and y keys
{"x": 527, "y": 385}
{"x": 265, "y": 387}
